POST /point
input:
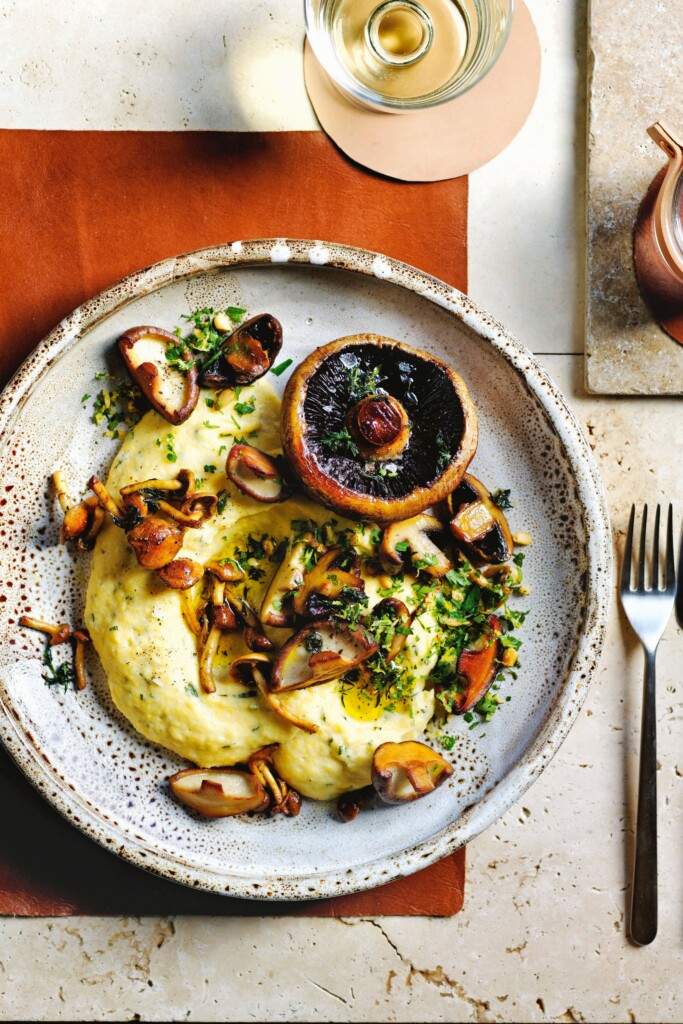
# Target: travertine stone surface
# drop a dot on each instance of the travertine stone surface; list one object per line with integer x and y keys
{"x": 542, "y": 936}
{"x": 634, "y": 80}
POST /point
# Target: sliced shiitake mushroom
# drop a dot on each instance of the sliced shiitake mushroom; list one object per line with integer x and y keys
{"x": 377, "y": 430}
{"x": 409, "y": 545}
{"x": 172, "y": 392}
{"x": 318, "y": 653}
{"x": 477, "y": 524}
{"x": 155, "y": 542}
{"x": 256, "y": 473}
{"x": 254, "y": 670}
{"x": 326, "y": 580}
{"x": 477, "y": 665}
{"x": 246, "y": 354}
{"x": 277, "y": 608}
{"x": 181, "y": 573}
{"x": 405, "y": 771}
{"x": 219, "y": 792}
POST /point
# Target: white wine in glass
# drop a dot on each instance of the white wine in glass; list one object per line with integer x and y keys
{"x": 406, "y": 54}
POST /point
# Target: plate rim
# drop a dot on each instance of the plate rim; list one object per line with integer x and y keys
{"x": 590, "y": 495}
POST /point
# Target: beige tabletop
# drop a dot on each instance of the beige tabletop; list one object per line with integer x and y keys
{"x": 542, "y": 936}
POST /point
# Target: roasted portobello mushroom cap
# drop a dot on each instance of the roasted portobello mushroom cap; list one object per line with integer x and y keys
{"x": 377, "y": 430}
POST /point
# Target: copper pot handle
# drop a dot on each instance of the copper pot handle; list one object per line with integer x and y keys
{"x": 666, "y": 220}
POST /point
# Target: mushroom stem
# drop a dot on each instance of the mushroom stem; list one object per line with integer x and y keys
{"x": 189, "y": 612}
{"x": 106, "y": 500}
{"x": 58, "y": 634}
{"x": 184, "y": 482}
{"x": 82, "y": 638}
{"x": 279, "y": 707}
{"x": 61, "y": 489}
{"x": 206, "y": 660}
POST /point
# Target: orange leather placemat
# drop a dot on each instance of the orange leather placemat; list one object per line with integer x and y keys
{"x": 81, "y": 210}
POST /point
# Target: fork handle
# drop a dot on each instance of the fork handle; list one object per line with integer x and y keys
{"x": 644, "y": 905}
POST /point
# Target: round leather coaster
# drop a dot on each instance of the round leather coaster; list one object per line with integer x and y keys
{"x": 661, "y": 289}
{"x": 441, "y": 142}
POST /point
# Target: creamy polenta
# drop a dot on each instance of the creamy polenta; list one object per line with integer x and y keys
{"x": 151, "y": 656}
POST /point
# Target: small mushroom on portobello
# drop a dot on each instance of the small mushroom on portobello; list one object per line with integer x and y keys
{"x": 181, "y": 573}
{"x": 174, "y": 393}
{"x": 219, "y": 792}
{"x": 318, "y": 653}
{"x": 409, "y": 545}
{"x": 108, "y": 503}
{"x": 377, "y": 430}
{"x": 155, "y": 542}
{"x": 379, "y": 426}
{"x": 256, "y": 473}
{"x": 477, "y": 665}
{"x": 477, "y": 524}
{"x": 405, "y": 771}
{"x": 254, "y": 670}
{"x": 246, "y": 354}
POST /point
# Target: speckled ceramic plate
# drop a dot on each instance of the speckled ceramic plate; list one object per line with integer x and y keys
{"x": 76, "y": 748}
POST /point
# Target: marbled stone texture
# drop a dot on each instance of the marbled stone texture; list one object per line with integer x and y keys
{"x": 634, "y": 80}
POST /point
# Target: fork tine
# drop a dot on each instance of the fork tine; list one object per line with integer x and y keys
{"x": 628, "y": 553}
{"x": 670, "y": 583}
{"x": 655, "y": 552}
{"x": 641, "y": 554}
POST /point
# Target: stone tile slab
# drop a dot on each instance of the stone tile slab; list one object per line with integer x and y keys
{"x": 634, "y": 70}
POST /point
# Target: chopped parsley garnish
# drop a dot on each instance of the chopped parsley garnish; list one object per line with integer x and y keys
{"x": 340, "y": 442}
{"x": 170, "y": 449}
{"x": 57, "y": 675}
{"x": 443, "y": 452}
{"x": 363, "y": 383}
{"x": 120, "y": 405}
{"x": 313, "y": 641}
{"x": 501, "y": 498}
{"x": 244, "y": 408}
{"x": 204, "y": 339}
{"x": 281, "y": 367}
{"x": 210, "y": 468}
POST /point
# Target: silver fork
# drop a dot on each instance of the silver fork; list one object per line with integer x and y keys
{"x": 648, "y": 611}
